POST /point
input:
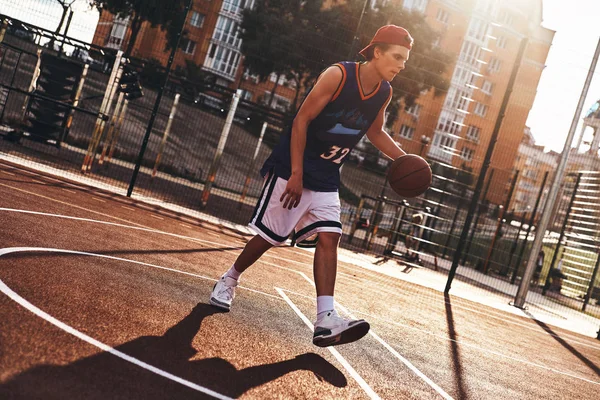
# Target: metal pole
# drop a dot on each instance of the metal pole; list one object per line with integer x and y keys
{"x": 359, "y": 209}
{"x": 486, "y": 164}
{"x": 451, "y": 229}
{"x": 560, "y": 171}
{"x": 77, "y": 96}
{"x": 530, "y": 225}
{"x": 212, "y": 173}
{"x": 562, "y": 233}
{"x": 159, "y": 96}
{"x": 117, "y": 131}
{"x": 501, "y": 215}
{"x": 111, "y": 127}
{"x": 115, "y": 75}
{"x": 477, "y": 215}
{"x": 166, "y": 134}
{"x": 251, "y": 169}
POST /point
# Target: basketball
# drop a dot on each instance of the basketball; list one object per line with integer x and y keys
{"x": 409, "y": 175}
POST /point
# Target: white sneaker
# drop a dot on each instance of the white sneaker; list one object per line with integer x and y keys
{"x": 223, "y": 293}
{"x": 333, "y": 330}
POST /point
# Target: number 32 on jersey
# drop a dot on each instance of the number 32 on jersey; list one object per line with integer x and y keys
{"x": 336, "y": 153}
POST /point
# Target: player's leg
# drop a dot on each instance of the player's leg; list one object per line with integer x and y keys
{"x": 273, "y": 224}
{"x": 324, "y": 218}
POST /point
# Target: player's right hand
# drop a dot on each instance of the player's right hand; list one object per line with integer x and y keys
{"x": 293, "y": 192}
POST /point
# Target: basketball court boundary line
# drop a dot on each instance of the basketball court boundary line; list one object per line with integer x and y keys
{"x": 363, "y": 384}
{"x": 510, "y": 318}
{"x": 96, "y": 343}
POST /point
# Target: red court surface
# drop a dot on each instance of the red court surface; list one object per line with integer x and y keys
{"x": 103, "y": 297}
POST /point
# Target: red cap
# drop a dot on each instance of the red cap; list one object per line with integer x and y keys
{"x": 390, "y": 34}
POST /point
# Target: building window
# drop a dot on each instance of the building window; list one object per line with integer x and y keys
{"x": 414, "y": 110}
{"x": 197, "y": 19}
{"x": 467, "y": 154}
{"x": 501, "y": 42}
{"x": 443, "y": 15}
{"x": 478, "y": 29}
{"x": 223, "y": 60}
{"x": 407, "y": 132}
{"x": 449, "y": 123}
{"x": 415, "y": 5}
{"x": 494, "y": 65}
{"x": 487, "y": 87}
{"x": 246, "y": 95}
{"x": 480, "y": 109}
{"x": 470, "y": 52}
{"x": 505, "y": 18}
{"x": 188, "y": 46}
{"x": 473, "y": 133}
{"x": 226, "y": 31}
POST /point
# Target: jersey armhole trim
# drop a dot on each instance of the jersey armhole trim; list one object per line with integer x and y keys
{"x": 342, "y": 82}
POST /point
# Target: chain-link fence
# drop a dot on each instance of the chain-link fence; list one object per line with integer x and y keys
{"x": 466, "y": 90}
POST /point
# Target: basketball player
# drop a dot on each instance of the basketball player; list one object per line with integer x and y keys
{"x": 302, "y": 176}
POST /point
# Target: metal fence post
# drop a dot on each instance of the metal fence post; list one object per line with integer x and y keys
{"x": 251, "y": 169}
{"x": 477, "y": 215}
{"x": 212, "y": 173}
{"x": 166, "y": 134}
{"x": 159, "y": 96}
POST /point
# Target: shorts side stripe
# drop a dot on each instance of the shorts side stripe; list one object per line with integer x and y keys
{"x": 318, "y": 224}
{"x": 262, "y": 201}
{"x": 258, "y": 222}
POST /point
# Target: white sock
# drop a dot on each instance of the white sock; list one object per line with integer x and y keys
{"x": 324, "y": 304}
{"x": 233, "y": 273}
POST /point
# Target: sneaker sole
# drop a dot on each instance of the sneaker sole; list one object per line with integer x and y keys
{"x": 350, "y": 335}
{"x": 216, "y": 303}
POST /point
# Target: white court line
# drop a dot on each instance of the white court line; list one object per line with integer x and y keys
{"x": 404, "y": 360}
{"x": 24, "y": 303}
{"x": 157, "y": 217}
{"x": 506, "y": 319}
{"x": 97, "y": 199}
{"x": 69, "y": 190}
{"x": 185, "y": 225}
{"x": 388, "y": 347}
{"x": 128, "y": 208}
{"x": 8, "y": 173}
{"x": 370, "y": 392}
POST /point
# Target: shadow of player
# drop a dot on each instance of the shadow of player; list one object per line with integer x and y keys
{"x": 105, "y": 375}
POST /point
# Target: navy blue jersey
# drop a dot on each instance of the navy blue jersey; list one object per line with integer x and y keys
{"x": 332, "y": 135}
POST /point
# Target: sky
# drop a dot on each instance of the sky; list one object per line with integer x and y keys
{"x": 577, "y": 33}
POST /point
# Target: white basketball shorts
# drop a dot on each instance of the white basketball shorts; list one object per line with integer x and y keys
{"x": 317, "y": 212}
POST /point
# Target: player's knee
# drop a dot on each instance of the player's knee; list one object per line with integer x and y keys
{"x": 329, "y": 239}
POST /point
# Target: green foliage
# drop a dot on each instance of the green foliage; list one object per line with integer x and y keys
{"x": 299, "y": 39}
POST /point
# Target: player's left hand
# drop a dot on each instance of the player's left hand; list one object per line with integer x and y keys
{"x": 293, "y": 192}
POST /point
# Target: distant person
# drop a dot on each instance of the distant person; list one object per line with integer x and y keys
{"x": 539, "y": 265}
{"x": 557, "y": 277}
{"x": 302, "y": 179}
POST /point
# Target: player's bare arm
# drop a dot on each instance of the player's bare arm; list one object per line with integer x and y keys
{"x": 320, "y": 95}
{"x": 381, "y": 139}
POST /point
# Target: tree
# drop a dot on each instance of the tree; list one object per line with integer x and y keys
{"x": 278, "y": 37}
{"x": 427, "y": 65}
{"x": 166, "y": 14}
{"x": 298, "y": 39}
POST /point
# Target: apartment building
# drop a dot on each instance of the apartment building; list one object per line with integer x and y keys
{"x": 484, "y": 36}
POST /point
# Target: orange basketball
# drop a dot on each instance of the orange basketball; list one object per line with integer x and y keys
{"x": 409, "y": 175}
